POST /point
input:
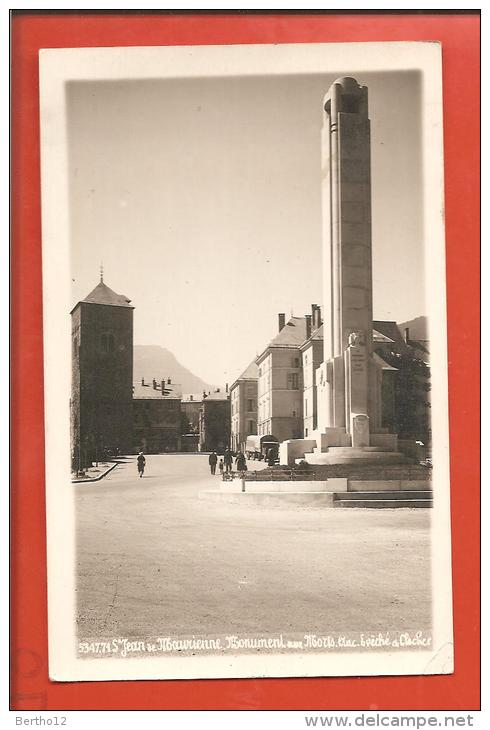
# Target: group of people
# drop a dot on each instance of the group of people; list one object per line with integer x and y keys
{"x": 225, "y": 463}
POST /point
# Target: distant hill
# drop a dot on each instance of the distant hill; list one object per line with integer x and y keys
{"x": 152, "y": 361}
{"x": 418, "y": 328}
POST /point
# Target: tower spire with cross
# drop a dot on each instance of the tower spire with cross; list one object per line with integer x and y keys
{"x": 101, "y": 273}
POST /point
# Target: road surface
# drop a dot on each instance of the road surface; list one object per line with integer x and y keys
{"x": 152, "y": 558}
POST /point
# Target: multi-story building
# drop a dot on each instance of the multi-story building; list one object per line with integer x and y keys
{"x": 280, "y": 382}
{"x": 214, "y": 422}
{"x": 102, "y": 375}
{"x": 191, "y": 405}
{"x": 157, "y": 417}
{"x": 243, "y": 398}
{"x": 312, "y": 357}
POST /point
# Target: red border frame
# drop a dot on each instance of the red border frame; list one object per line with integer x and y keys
{"x": 460, "y": 38}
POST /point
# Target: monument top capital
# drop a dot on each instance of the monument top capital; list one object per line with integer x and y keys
{"x": 347, "y": 83}
{"x": 347, "y": 95}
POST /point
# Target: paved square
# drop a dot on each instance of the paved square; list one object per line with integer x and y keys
{"x": 152, "y": 558}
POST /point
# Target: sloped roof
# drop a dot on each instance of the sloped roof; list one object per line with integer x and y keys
{"x": 292, "y": 334}
{"x": 102, "y": 294}
{"x": 388, "y": 329}
{"x": 250, "y": 373}
{"x": 222, "y": 395}
{"x": 380, "y": 337}
{"x": 196, "y": 398}
{"x": 317, "y": 334}
{"x": 148, "y": 392}
{"x": 419, "y": 349}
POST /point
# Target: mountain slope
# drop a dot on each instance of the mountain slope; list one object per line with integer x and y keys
{"x": 153, "y": 361}
{"x": 418, "y": 328}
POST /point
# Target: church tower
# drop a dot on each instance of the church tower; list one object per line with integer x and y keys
{"x": 102, "y": 375}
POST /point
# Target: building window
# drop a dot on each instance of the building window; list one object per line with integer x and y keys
{"x": 251, "y": 427}
{"x": 306, "y": 408}
{"x": 107, "y": 342}
{"x": 306, "y": 359}
{"x": 260, "y": 372}
{"x": 293, "y": 381}
{"x": 306, "y": 432}
{"x": 295, "y": 362}
{"x": 250, "y": 405}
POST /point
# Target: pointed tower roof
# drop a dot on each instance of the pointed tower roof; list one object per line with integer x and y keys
{"x": 102, "y": 294}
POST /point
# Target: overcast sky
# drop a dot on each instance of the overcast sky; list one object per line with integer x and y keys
{"x": 202, "y": 200}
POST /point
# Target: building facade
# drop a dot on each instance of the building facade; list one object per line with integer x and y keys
{"x": 243, "y": 399}
{"x": 191, "y": 405}
{"x": 215, "y": 422}
{"x": 312, "y": 357}
{"x": 280, "y": 382}
{"x": 157, "y": 417}
{"x": 102, "y": 375}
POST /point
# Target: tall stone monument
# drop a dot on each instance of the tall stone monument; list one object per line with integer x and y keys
{"x": 349, "y": 379}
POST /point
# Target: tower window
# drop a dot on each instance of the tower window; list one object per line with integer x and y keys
{"x": 107, "y": 342}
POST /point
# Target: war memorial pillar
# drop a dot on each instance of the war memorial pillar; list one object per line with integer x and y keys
{"x": 352, "y": 380}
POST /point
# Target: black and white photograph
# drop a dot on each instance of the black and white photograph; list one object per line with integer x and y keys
{"x": 247, "y": 450}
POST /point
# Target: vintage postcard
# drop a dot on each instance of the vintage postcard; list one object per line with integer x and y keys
{"x": 247, "y": 452}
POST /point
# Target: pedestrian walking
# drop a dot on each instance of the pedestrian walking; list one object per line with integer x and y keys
{"x": 228, "y": 460}
{"x": 141, "y": 463}
{"x": 221, "y": 466}
{"x": 212, "y": 462}
{"x": 241, "y": 462}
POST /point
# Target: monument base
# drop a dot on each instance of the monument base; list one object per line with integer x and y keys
{"x": 334, "y": 446}
{"x": 366, "y": 455}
